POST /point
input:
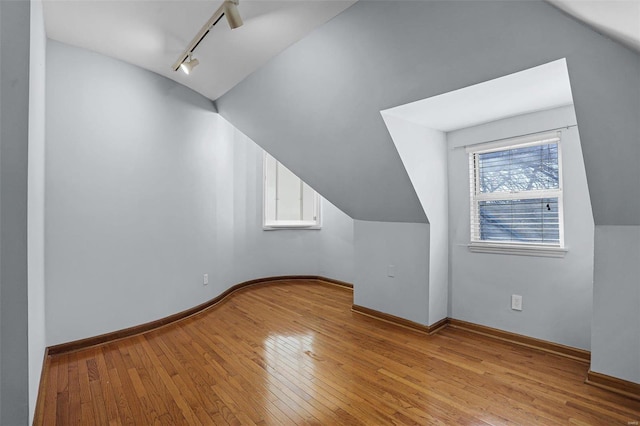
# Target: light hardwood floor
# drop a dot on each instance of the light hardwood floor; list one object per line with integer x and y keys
{"x": 292, "y": 352}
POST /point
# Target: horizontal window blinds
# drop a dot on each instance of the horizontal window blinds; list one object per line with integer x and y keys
{"x": 516, "y": 194}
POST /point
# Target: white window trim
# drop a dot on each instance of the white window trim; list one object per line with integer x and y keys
{"x": 521, "y": 249}
{"x": 518, "y": 248}
{"x": 293, "y": 224}
{"x": 288, "y": 224}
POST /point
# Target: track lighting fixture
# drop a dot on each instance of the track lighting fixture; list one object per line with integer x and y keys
{"x": 231, "y": 13}
{"x": 229, "y": 9}
{"x": 189, "y": 64}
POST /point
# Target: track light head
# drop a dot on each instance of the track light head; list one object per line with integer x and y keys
{"x": 189, "y": 64}
{"x": 231, "y": 12}
{"x": 229, "y": 9}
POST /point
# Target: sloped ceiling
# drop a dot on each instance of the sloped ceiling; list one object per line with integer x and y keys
{"x": 618, "y": 19}
{"x": 316, "y": 107}
{"x": 536, "y": 89}
{"x": 153, "y": 33}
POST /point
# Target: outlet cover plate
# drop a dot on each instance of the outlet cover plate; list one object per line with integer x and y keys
{"x": 391, "y": 271}
{"x": 516, "y": 302}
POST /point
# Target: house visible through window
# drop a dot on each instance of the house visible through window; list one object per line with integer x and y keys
{"x": 516, "y": 193}
{"x": 288, "y": 201}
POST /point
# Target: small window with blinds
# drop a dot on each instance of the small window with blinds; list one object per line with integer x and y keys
{"x": 288, "y": 201}
{"x": 516, "y": 194}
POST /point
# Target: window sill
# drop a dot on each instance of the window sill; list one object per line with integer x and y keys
{"x": 520, "y": 249}
{"x": 275, "y": 226}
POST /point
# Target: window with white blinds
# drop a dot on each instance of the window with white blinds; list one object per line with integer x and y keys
{"x": 516, "y": 192}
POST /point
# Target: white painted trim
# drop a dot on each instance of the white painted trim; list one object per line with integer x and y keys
{"x": 274, "y": 225}
{"x": 521, "y": 249}
{"x": 520, "y": 141}
{"x": 478, "y": 245}
{"x": 292, "y": 225}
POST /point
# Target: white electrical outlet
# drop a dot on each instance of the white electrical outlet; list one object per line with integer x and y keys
{"x": 205, "y": 279}
{"x": 516, "y": 302}
{"x": 391, "y": 271}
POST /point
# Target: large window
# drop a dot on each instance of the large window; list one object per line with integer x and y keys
{"x": 516, "y": 193}
{"x": 288, "y": 201}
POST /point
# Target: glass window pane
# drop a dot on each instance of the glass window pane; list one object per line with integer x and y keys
{"x": 270, "y": 166}
{"x": 527, "y": 221}
{"x": 308, "y": 203}
{"x": 519, "y": 169}
{"x": 288, "y": 203}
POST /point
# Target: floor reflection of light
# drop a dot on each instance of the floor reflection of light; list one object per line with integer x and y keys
{"x": 290, "y": 361}
{"x": 290, "y": 351}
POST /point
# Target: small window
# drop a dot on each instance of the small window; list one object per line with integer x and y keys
{"x": 516, "y": 194}
{"x": 288, "y": 201}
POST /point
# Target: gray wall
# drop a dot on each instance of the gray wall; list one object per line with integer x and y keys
{"x": 406, "y": 247}
{"x": 14, "y": 140}
{"x": 557, "y": 293}
{"x": 147, "y": 189}
{"x": 316, "y": 107}
{"x": 37, "y": 341}
{"x": 317, "y": 104}
{"x": 616, "y": 297}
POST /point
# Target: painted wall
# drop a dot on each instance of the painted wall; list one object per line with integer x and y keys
{"x": 36, "y": 294}
{"x": 405, "y": 246}
{"x": 147, "y": 189}
{"x": 240, "y": 240}
{"x": 557, "y": 293}
{"x": 316, "y": 106}
{"x": 424, "y": 154}
{"x": 14, "y": 141}
{"x": 616, "y": 297}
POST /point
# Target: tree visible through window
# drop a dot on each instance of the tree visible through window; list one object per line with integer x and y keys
{"x": 516, "y": 194}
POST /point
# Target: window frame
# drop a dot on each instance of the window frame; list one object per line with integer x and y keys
{"x": 273, "y": 225}
{"x": 476, "y": 197}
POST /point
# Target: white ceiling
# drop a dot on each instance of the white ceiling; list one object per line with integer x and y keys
{"x": 153, "y": 33}
{"x": 536, "y": 89}
{"x": 618, "y": 19}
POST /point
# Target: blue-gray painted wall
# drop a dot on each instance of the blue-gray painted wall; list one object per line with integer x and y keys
{"x": 316, "y": 106}
{"x": 14, "y": 140}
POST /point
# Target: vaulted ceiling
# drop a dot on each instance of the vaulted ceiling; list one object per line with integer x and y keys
{"x": 152, "y": 33}
{"x": 618, "y": 19}
{"x": 307, "y": 79}
{"x": 316, "y": 107}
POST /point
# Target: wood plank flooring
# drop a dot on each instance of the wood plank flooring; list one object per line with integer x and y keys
{"x": 292, "y": 352}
